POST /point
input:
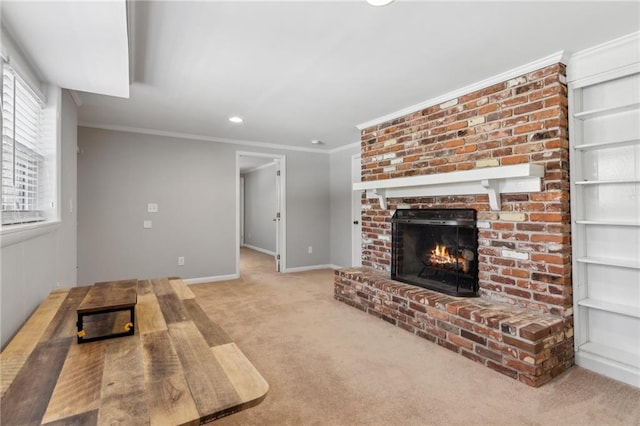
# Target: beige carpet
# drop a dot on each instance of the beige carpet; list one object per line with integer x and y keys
{"x": 330, "y": 364}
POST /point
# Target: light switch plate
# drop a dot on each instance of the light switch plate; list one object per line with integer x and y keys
{"x": 147, "y": 224}
{"x": 152, "y": 208}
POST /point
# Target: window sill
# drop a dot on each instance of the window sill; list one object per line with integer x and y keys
{"x": 21, "y": 217}
{"x": 18, "y": 233}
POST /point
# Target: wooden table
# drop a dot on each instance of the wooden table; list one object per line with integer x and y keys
{"x": 179, "y": 367}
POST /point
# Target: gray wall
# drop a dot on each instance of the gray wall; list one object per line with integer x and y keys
{"x": 260, "y": 208}
{"x": 194, "y": 184}
{"x": 32, "y": 268}
{"x": 341, "y": 221}
{"x": 308, "y": 209}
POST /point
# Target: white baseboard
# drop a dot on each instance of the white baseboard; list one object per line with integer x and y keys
{"x": 261, "y": 250}
{"x": 615, "y": 370}
{"x": 211, "y": 279}
{"x": 309, "y": 268}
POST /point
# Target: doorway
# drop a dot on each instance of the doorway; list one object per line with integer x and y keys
{"x": 260, "y": 203}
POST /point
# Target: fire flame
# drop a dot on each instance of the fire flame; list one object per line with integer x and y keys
{"x": 440, "y": 256}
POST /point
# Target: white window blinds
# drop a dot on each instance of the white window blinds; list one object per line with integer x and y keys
{"x": 22, "y": 153}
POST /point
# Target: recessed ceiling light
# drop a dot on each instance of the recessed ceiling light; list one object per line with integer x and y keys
{"x": 379, "y": 2}
{"x": 236, "y": 119}
{"x": 316, "y": 142}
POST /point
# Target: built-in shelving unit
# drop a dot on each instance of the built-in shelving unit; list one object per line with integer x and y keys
{"x": 605, "y": 145}
{"x": 630, "y": 264}
{"x": 601, "y": 112}
{"x": 607, "y": 181}
{"x": 632, "y": 311}
{"x": 616, "y": 357}
{"x": 605, "y": 201}
{"x": 607, "y": 223}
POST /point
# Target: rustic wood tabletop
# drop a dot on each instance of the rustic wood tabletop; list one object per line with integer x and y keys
{"x": 178, "y": 368}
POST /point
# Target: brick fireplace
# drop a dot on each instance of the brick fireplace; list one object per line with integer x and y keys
{"x": 522, "y": 323}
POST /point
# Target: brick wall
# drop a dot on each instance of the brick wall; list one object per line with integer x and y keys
{"x": 524, "y": 250}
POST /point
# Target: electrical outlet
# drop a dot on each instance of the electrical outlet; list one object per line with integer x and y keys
{"x": 181, "y": 261}
{"x": 147, "y": 224}
{"x": 310, "y": 250}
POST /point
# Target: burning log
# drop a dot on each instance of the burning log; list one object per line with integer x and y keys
{"x": 439, "y": 256}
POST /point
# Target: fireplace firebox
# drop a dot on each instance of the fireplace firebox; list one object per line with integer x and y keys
{"x": 436, "y": 249}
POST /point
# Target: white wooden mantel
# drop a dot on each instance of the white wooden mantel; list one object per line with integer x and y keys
{"x": 518, "y": 178}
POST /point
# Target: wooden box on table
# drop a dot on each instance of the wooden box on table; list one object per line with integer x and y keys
{"x": 107, "y": 311}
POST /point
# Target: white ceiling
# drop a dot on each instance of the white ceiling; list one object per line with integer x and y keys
{"x": 297, "y": 71}
{"x": 77, "y": 45}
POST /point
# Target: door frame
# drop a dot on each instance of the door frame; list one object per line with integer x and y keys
{"x": 356, "y": 212}
{"x": 241, "y": 211}
{"x": 281, "y": 229}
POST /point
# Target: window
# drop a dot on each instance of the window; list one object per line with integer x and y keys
{"x": 23, "y": 151}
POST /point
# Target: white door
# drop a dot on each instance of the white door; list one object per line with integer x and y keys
{"x": 356, "y": 213}
{"x": 241, "y": 218}
{"x": 278, "y": 212}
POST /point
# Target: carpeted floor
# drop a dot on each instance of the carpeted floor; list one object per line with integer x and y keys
{"x": 329, "y": 364}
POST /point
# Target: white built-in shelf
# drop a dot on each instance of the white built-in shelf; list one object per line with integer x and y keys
{"x": 605, "y": 145}
{"x": 493, "y": 181}
{"x": 619, "y": 263}
{"x": 604, "y": 104}
{"x": 607, "y": 181}
{"x": 611, "y": 353}
{"x": 630, "y": 311}
{"x": 601, "y": 112}
{"x": 607, "y": 223}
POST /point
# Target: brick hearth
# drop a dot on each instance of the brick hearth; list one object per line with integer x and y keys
{"x": 522, "y": 324}
{"x": 520, "y": 343}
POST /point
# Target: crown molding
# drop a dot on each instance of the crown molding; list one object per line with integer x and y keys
{"x": 611, "y": 44}
{"x": 191, "y": 136}
{"x": 75, "y": 97}
{"x": 612, "y": 59}
{"x": 344, "y": 147}
{"x": 498, "y": 78}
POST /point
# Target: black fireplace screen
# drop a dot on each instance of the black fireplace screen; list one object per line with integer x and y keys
{"x": 436, "y": 249}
